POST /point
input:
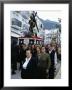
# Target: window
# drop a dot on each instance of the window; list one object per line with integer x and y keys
{"x": 16, "y": 22}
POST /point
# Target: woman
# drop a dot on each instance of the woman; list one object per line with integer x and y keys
{"x": 33, "y": 50}
{"x": 38, "y": 50}
{"x": 29, "y": 66}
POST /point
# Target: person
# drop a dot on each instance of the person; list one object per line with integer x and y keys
{"x": 47, "y": 48}
{"x": 52, "y": 57}
{"x": 33, "y": 50}
{"x": 14, "y": 57}
{"x": 38, "y": 50}
{"x": 18, "y": 53}
{"x": 29, "y": 66}
{"x": 22, "y": 54}
{"x": 43, "y": 64}
{"x": 56, "y": 52}
{"x": 59, "y": 53}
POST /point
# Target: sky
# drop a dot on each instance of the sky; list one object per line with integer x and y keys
{"x": 51, "y": 15}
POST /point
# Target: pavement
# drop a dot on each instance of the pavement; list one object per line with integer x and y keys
{"x": 18, "y": 73}
{"x": 57, "y": 73}
{"x": 58, "y": 76}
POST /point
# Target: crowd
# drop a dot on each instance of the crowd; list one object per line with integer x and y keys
{"x": 36, "y": 61}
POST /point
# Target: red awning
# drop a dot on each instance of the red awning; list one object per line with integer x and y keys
{"x": 36, "y": 37}
{"x": 33, "y": 37}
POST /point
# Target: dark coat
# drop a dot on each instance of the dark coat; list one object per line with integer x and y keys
{"x": 44, "y": 64}
{"x": 22, "y": 54}
{"x": 14, "y": 56}
{"x": 52, "y": 54}
{"x": 30, "y": 71}
{"x": 52, "y": 68}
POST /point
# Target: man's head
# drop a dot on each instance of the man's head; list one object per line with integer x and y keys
{"x": 52, "y": 47}
{"x": 43, "y": 49}
{"x": 28, "y": 53}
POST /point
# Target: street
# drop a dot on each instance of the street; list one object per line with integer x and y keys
{"x": 58, "y": 76}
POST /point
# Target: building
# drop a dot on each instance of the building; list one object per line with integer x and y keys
{"x": 16, "y": 26}
{"x": 53, "y": 34}
{"x": 20, "y": 25}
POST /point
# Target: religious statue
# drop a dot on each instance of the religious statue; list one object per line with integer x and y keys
{"x": 33, "y": 22}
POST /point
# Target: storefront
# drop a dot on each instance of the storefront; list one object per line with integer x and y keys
{"x": 30, "y": 41}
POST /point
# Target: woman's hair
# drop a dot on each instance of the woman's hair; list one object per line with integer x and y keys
{"x": 29, "y": 50}
{"x": 38, "y": 47}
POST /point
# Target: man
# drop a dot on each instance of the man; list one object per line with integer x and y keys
{"x": 44, "y": 64}
{"x": 33, "y": 50}
{"x": 14, "y": 57}
{"x": 29, "y": 66}
{"x": 22, "y": 54}
{"x": 52, "y": 57}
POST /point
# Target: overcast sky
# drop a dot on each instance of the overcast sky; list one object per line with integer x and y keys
{"x": 51, "y": 15}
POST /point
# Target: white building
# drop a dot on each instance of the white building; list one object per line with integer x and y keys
{"x": 50, "y": 34}
{"x": 16, "y": 24}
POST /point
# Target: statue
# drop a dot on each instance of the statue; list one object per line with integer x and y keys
{"x": 33, "y": 22}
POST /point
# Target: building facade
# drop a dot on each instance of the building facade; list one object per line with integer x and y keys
{"x": 53, "y": 34}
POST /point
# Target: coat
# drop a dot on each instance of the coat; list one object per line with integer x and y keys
{"x": 30, "y": 71}
{"x": 52, "y": 68}
{"x": 44, "y": 63}
{"x": 14, "y": 56}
